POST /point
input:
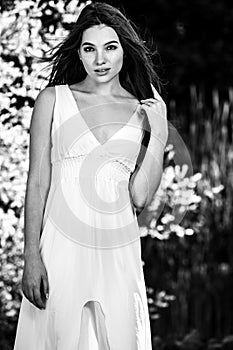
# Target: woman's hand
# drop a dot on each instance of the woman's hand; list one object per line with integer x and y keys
{"x": 153, "y": 108}
{"x": 35, "y": 280}
{"x": 156, "y": 113}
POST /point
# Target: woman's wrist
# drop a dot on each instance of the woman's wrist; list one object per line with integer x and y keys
{"x": 153, "y": 142}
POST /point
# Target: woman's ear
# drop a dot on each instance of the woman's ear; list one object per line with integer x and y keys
{"x": 79, "y": 54}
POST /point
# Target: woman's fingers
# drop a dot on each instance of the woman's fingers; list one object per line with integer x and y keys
{"x": 45, "y": 285}
{"x": 150, "y": 100}
{"x": 151, "y": 103}
{"x": 37, "y": 298}
{"x": 35, "y": 282}
{"x": 29, "y": 295}
{"x": 33, "y": 297}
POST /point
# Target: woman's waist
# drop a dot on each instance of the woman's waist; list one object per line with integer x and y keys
{"x": 79, "y": 167}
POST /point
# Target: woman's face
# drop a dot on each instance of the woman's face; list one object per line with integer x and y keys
{"x": 101, "y": 48}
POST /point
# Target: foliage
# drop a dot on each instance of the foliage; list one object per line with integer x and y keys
{"x": 193, "y": 260}
{"x": 26, "y": 30}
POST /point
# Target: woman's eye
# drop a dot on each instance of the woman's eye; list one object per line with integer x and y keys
{"x": 112, "y": 46}
{"x": 87, "y": 49}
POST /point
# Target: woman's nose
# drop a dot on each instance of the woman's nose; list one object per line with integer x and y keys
{"x": 100, "y": 57}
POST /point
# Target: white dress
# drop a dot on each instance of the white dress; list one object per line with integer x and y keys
{"x": 90, "y": 242}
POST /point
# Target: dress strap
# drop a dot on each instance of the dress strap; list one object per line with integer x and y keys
{"x": 64, "y": 106}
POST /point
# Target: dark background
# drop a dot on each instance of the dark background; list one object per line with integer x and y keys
{"x": 194, "y": 39}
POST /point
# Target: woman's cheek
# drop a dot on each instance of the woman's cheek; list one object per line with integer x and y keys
{"x": 88, "y": 67}
{"x": 118, "y": 62}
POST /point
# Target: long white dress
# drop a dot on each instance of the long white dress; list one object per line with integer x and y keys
{"x": 90, "y": 242}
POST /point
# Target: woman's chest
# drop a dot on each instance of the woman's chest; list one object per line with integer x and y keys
{"x": 106, "y": 119}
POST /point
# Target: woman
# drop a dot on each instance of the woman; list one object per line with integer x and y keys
{"x": 83, "y": 283}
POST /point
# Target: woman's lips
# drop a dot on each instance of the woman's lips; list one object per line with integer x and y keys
{"x": 102, "y": 72}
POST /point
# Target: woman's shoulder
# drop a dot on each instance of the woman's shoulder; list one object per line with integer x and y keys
{"x": 42, "y": 113}
{"x": 49, "y": 91}
{"x": 46, "y": 96}
{"x": 78, "y": 87}
{"x": 128, "y": 95}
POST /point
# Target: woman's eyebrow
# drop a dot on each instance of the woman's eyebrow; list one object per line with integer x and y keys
{"x": 112, "y": 41}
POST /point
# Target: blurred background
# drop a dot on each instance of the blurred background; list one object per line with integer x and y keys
{"x": 188, "y": 264}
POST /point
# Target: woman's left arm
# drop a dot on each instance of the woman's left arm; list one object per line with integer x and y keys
{"x": 146, "y": 179}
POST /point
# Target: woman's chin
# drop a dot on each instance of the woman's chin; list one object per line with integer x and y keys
{"x": 103, "y": 78}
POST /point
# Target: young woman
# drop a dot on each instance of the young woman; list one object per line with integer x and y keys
{"x": 83, "y": 283}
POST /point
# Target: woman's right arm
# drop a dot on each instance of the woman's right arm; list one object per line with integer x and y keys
{"x": 38, "y": 184}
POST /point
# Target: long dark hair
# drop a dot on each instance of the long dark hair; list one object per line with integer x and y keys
{"x": 137, "y": 73}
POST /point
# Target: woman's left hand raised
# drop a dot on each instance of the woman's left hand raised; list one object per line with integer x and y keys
{"x": 156, "y": 113}
{"x": 152, "y": 107}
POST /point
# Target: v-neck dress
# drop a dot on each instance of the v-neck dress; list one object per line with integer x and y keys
{"x": 90, "y": 242}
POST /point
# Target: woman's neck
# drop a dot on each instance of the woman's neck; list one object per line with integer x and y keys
{"x": 110, "y": 88}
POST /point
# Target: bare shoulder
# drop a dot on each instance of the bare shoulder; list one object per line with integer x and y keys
{"x": 129, "y": 96}
{"x": 43, "y": 110}
{"x": 45, "y": 100}
{"x": 77, "y": 87}
{"x": 47, "y": 95}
